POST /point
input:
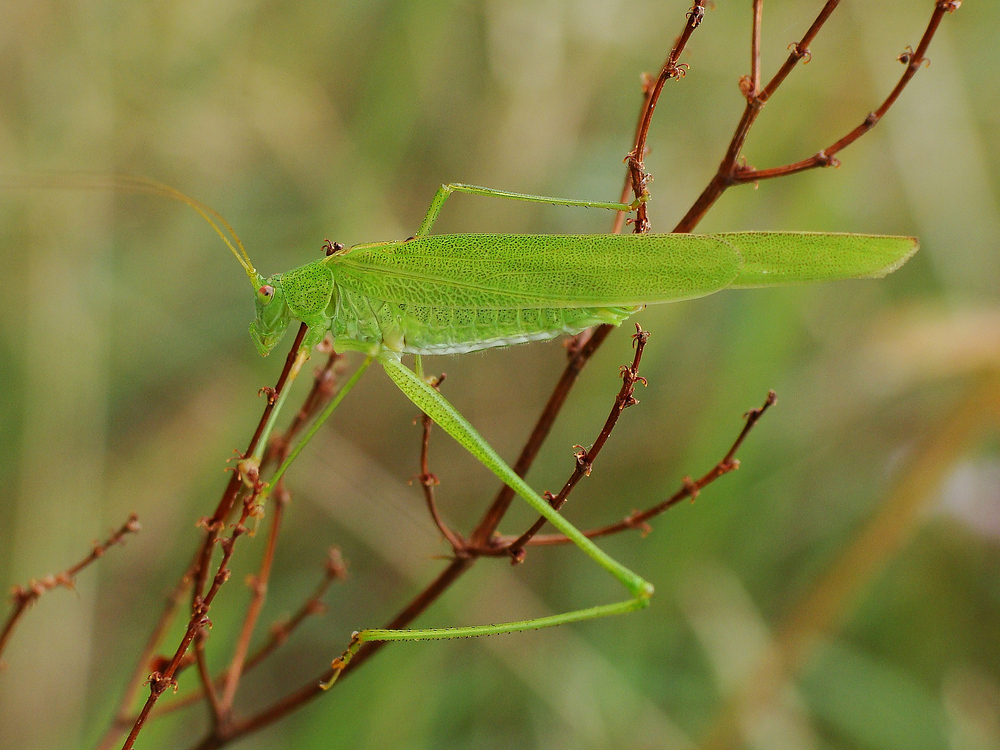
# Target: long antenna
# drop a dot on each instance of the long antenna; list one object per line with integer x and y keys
{"x": 130, "y": 183}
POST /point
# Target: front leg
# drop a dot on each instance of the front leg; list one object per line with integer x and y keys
{"x": 318, "y": 326}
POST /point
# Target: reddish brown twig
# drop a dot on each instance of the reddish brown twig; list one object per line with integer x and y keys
{"x": 731, "y": 172}
{"x": 758, "y": 18}
{"x": 161, "y": 680}
{"x": 827, "y": 157}
{"x": 755, "y": 103}
{"x": 580, "y": 355}
{"x": 25, "y": 596}
{"x": 258, "y": 588}
{"x": 636, "y": 178}
{"x": 165, "y": 674}
{"x": 229, "y": 495}
{"x": 428, "y": 482}
{"x": 458, "y": 566}
{"x": 689, "y": 489}
{"x": 577, "y": 361}
{"x": 220, "y": 706}
{"x": 323, "y": 388}
{"x": 335, "y": 570}
{"x": 280, "y": 632}
{"x": 215, "y": 710}
{"x": 313, "y": 688}
{"x": 585, "y": 457}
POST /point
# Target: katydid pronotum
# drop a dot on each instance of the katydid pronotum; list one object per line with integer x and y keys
{"x": 449, "y": 294}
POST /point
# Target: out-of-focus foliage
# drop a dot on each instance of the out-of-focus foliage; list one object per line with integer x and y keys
{"x": 128, "y": 376}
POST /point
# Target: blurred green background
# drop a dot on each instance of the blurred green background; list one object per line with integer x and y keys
{"x": 128, "y": 377}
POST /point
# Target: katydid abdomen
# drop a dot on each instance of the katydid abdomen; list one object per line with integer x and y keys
{"x": 426, "y": 329}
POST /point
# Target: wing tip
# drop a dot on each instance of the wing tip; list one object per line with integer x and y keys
{"x": 911, "y": 245}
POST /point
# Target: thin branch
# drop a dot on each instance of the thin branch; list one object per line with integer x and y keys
{"x": 160, "y": 681}
{"x": 671, "y": 70}
{"x": 165, "y": 676}
{"x": 731, "y": 172}
{"x": 324, "y": 385}
{"x": 689, "y": 489}
{"x": 799, "y": 52}
{"x": 577, "y": 361}
{"x": 621, "y": 216}
{"x": 233, "y": 488}
{"x": 913, "y": 60}
{"x": 585, "y": 457}
{"x": 323, "y": 388}
{"x": 723, "y": 177}
{"x": 24, "y": 597}
{"x": 583, "y": 350}
{"x": 280, "y": 632}
{"x": 214, "y": 526}
{"x": 215, "y": 710}
{"x": 258, "y": 588}
{"x": 335, "y": 570}
{"x": 580, "y": 355}
{"x": 455, "y": 569}
{"x": 312, "y": 689}
{"x": 758, "y": 18}
{"x": 429, "y": 481}
{"x": 124, "y": 717}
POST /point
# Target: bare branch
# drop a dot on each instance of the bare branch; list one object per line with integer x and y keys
{"x": 689, "y": 489}
{"x": 671, "y": 70}
{"x": 913, "y": 60}
{"x": 323, "y": 388}
{"x": 280, "y": 632}
{"x": 25, "y": 596}
{"x": 428, "y": 482}
{"x": 585, "y": 457}
{"x": 731, "y": 172}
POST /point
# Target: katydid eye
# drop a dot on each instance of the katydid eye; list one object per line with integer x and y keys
{"x": 266, "y": 292}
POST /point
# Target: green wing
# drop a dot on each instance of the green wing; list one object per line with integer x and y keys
{"x": 516, "y": 271}
{"x": 773, "y": 258}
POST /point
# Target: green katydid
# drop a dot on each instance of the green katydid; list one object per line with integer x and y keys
{"x": 444, "y": 294}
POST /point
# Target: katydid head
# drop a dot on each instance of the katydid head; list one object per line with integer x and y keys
{"x": 272, "y": 311}
{"x": 272, "y": 314}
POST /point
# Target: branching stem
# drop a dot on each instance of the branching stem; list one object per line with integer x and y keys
{"x": 585, "y": 457}
{"x": 25, "y": 596}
